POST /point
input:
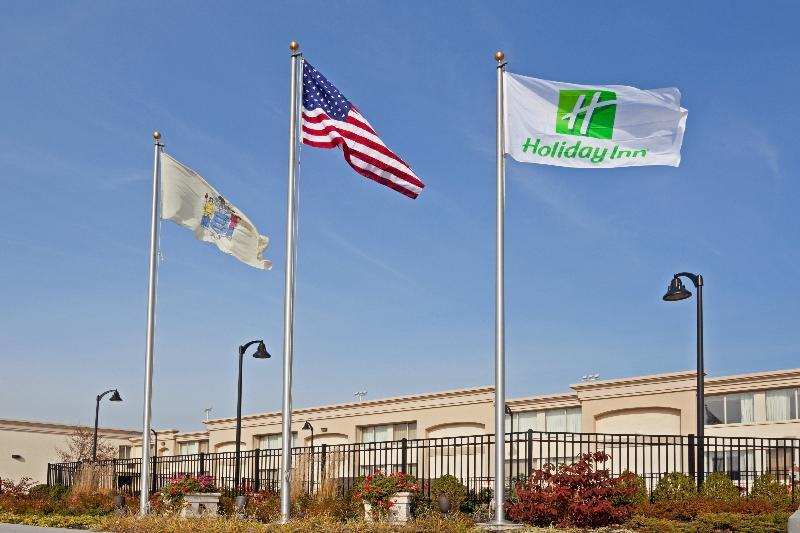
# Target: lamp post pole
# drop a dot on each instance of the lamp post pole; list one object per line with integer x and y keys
{"x": 114, "y": 398}
{"x": 307, "y": 426}
{"x": 261, "y": 353}
{"x": 676, "y": 291}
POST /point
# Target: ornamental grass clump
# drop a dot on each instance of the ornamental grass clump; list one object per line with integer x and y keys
{"x": 378, "y": 488}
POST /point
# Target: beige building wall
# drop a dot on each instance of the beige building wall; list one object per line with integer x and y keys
{"x": 660, "y": 404}
{"x": 26, "y": 447}
{"x": 461, "y": 412}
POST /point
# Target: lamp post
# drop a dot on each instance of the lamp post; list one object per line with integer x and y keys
{"x": 306, "y": 427}
{"x": 676, "y": 291}
{"x": 260, "y": 353}
{"x": 114, "y": 398}
{"x": 510, "y": 414}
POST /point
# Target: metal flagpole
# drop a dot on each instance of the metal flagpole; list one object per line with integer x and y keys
{"x": 500, "y": 320}
{"x": 144, "y": 482}
{"x": 288, "y": 308}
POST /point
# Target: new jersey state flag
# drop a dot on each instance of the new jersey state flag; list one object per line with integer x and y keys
{"x": 188, "y": 200}
{"x": 591, "y": 126}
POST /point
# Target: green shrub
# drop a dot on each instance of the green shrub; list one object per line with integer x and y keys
{"x": 766, "y": 523}
{"x": 648, "y": 524}
{"x": 450, "y": 486}
{"x": 674, "y": 487}
{"x": 767, "y": 488}
{"x": 719, "y": 487}
{"x": 50, "y": 520}
{"x": 631, "y": 490}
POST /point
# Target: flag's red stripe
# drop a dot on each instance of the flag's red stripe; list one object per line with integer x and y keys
{"x": 319, "y": 118}
{"x": 364, "y": 172}
{"x": 363, "y": 125}
{"x": 367, "y": 159}
{"x": 386, "y": 168}
{"x": 357, "y": 138}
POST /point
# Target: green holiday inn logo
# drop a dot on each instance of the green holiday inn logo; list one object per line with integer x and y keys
{"x": 588, "y": 113}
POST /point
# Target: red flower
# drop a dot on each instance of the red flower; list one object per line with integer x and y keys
{"x": 174, "y": 483}
{"x": 357, "y": 495}
{"x": 389, "y": 504}
{"x": 172, "y": 491}
{"x": 185, "y": 489}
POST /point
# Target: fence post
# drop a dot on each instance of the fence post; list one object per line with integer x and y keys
{"x": 203, "y": 464}
{"x": 529, "y": 452}
{"x": 154, "y": 474}
{"x": 403, "y": 454}
{"x": 322, "y": 464}
{"x": 257, "y": 474}
{"x": 692, "y": 460}
{"x": 49, "y": 483}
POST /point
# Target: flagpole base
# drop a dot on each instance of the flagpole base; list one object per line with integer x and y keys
{"x": 498, "y": 526}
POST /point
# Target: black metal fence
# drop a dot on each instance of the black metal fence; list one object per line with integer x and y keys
{"x": 468, "y": 458}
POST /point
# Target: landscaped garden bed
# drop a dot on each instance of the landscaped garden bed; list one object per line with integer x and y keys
{"x": 570, "y": 497}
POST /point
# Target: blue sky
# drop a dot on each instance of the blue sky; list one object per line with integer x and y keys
{"x": 394, "y": 296}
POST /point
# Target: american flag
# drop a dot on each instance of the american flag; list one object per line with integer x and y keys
{"x": 330, "y": 120}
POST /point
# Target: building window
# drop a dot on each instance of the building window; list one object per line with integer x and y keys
{"x": 386, "y": 432}
{"x": 738, "y": 464}
{"x": 125, "y": 452}
{"x": 193, "y": 447}
{"x": 729, "y": 409}
{"x": 782, "y": 404}
{"x": 523, "y": 421}
{"x": 273, "y": 441}
{"x": 563, "y": 420}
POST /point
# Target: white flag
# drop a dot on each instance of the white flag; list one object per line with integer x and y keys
{"x": 592, "y": 126}
{"x": 188, "y": 200}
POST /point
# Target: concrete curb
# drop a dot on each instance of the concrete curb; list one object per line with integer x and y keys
{"x": 794, "y": 522}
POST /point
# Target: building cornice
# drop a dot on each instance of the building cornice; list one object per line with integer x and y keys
{"x": 753, "y": 381}
{"x": 52, "y": 428}
{"x": 636, "y": 386}
{"x": 475, "y": 395}
{"x": 546, "y": 401}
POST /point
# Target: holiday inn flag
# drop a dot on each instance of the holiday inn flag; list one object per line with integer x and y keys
{"x": 591, "y": 126}
{"x": 188, "y": 200}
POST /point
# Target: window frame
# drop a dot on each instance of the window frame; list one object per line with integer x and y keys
{"x": 725, "y": 398}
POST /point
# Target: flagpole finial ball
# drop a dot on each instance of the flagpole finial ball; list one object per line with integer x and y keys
{"x": 293, "y": 46}
{"x": 156, "y": 135}
{"x": 499, "y": 56}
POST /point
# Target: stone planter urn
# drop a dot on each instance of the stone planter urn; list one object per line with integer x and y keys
{"x": 119, "y": 504}
{"x": 200, "y": 504}
{"x": 444, "y": 503}
{"x": 399, "y": 513}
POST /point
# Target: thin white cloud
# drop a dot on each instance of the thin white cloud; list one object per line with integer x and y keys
{"x": 359, "y": 252}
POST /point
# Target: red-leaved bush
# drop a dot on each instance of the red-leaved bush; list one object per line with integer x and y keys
{"x": 581, "y": 494}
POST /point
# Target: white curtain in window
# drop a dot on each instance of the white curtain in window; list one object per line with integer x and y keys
{"x": 556, "y": 420}
{"x": 779, "y": 404}
{"x": 381, "y": 433}
{"x": 574, "y": 420}
{"x": 525, "y": 421}
{"x": 746, "y": 402}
